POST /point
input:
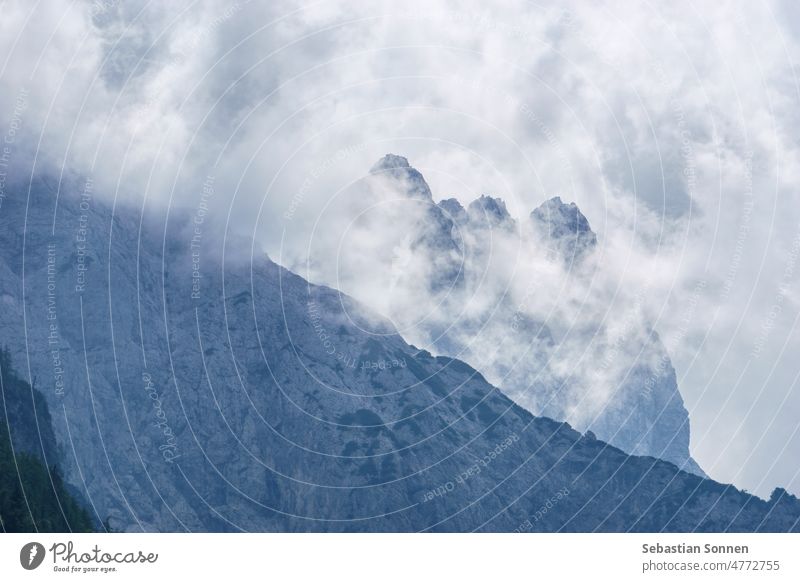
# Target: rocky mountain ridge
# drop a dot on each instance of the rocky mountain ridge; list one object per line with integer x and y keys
{"x": 257, "y": 401}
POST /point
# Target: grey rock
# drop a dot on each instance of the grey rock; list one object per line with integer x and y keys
{"x": 565, "y": 228}
{"x": 279, "y": 411}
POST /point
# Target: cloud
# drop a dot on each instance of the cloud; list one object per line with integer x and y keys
{"x": 674, "y": 128}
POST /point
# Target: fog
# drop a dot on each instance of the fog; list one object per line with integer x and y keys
{"x": 674, "y": 129}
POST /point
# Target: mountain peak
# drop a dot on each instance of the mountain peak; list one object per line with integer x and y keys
{"x": 489, "y": 211}
{"x": 454, "y": 210}
{"x": 390, "y": 162}
{"x": 565, "y": 226}
{"x": 398, "y": 168}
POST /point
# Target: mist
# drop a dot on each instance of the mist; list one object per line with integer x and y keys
{"x": 674, "y": 129}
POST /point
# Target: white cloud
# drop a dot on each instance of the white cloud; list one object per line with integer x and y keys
{"x": 674, "y": 128}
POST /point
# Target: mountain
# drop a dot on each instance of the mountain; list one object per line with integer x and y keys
{"x": 486, "y": 273}
{"x": 203, "y": 387}
{"x": 421, "y": 226}
{"x": 397, "y": 169}
{"x": 33, "y": 495}
{"x": 564, "y": 228}
{"x": 487, "y": 212}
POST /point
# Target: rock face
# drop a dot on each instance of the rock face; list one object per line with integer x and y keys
{"x": 454, "y": 210}
{"x": 33, "y": 495}
{"x": 257, "y": 401}
{"x": 427, "y": 229}
{"x": 26, "y": 419}
{"x": 565, "y": 228}
{"x": 488, "y": 212}
{"x": 397, "y": 168}
{"x": 626, "y": 392}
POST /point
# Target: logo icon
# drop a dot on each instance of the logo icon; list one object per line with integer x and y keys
{"x": 31, "y": 555}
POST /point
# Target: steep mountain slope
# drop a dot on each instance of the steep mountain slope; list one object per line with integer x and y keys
{"x": 33, "y": 496}
{"x": 556, "y": 358}
{"x": 565, "y": 227}
{"x": 250, "y": 399}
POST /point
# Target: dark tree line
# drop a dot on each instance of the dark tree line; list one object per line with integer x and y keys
{"x": 33, "y": 496}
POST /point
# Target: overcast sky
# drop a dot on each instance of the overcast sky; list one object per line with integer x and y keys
{"x": 674, "y": 128}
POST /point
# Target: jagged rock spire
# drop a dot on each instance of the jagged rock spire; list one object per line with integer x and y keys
{"x": 565, "y": 227}
{"x": 397, "y": 167}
